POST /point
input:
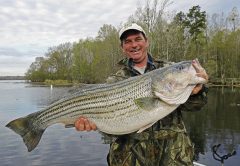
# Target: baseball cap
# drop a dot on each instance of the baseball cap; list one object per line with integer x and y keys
{"x": 133, "y": 26}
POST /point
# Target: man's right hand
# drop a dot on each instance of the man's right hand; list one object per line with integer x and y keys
{"x": 83, "y": 124}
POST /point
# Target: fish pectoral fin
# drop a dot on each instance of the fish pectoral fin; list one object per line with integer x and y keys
{"x": 145, "y": 127}
{"x": 147, "y": 103}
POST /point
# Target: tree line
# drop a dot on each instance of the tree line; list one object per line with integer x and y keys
{"x": 214, "y": 40}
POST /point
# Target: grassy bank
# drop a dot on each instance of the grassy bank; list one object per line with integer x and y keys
{"x": 58, "y": 82}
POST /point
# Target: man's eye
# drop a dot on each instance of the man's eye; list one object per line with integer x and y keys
{"x": 139, "y": 39}
{"x": 126, "y": 41}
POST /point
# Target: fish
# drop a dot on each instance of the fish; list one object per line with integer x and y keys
{"x": 127, "y": 106}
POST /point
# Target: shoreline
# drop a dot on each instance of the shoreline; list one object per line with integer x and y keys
{"x": 69, "y": 84}
{"x": 12, "y": 78}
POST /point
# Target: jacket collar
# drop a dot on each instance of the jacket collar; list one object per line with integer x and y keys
{"x": 150, "y": 65}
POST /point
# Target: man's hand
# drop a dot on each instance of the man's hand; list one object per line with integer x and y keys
{"x": 200, "y": 73}
{"x": 83, "y": 124}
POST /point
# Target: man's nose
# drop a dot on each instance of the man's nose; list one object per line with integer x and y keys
{"x": 134, "y": 44}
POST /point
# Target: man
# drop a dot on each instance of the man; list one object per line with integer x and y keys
{"x": 166, "y": 142}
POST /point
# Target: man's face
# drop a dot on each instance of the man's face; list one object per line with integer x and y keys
{"x": 135, "y": 46}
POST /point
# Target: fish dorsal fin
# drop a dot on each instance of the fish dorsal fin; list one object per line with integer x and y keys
{"x": 147, "y": 103}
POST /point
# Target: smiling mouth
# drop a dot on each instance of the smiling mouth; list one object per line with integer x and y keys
{"x": 135, "y": 51}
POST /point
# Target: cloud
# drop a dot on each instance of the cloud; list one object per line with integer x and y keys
{"x": 28, "y": 28}
{"x": 210, "y": 6}
{"x": 13, "y": 65}
{"x": 57, "y": 21}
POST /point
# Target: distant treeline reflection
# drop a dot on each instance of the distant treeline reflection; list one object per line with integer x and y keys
{"x": 12, "y": 78}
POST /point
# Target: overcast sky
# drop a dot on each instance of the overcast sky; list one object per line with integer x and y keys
{"x": 29, "y": 27}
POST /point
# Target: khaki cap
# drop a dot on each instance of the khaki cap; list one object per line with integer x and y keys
{"x": 133, "y": 26}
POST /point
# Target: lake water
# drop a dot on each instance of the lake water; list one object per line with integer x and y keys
{"x": 217, "y": 123}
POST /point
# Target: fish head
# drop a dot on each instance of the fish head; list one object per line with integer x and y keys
{"x": 173, "y": 80}
{"x": 171, "y": 77}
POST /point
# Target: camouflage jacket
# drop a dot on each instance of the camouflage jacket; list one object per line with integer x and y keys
{"x": 166, "y": 142}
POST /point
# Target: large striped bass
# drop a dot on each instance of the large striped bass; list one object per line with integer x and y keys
{"x": 119, "y": 108}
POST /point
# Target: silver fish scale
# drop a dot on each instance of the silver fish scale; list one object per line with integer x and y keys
{"x": 125, "y": 112}
{"x": 100, "y": 104}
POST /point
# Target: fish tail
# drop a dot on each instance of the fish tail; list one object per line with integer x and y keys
{"x": 24, "y": 127}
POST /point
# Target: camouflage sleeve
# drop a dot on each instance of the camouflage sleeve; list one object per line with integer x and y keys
{"x": 196, "y": 102}
{"x": 118, "y": 76}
